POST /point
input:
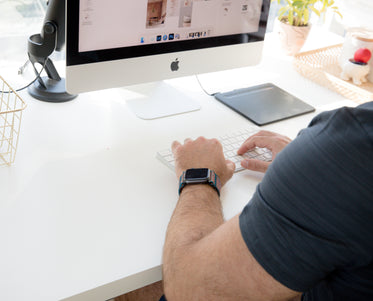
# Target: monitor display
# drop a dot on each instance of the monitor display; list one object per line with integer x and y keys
{"x": 118, "y": 43}
{"x": 150, "y": 22}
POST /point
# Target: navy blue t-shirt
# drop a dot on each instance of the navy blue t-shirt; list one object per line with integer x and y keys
{"x": 310, "y": 221}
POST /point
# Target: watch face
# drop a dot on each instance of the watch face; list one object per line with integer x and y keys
{"x": 197, "y": 173}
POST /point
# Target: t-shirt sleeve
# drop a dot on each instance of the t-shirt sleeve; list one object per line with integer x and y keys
{"x": 312, "y": 211}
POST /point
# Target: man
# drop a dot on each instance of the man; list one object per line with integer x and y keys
{"x": 306, "y": 233}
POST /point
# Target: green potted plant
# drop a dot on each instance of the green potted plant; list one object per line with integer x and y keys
{"x": 293, "y": 20}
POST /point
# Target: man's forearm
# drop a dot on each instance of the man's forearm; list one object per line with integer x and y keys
{"x": 197, "y": 213}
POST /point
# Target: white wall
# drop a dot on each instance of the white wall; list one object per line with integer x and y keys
{"x": 356, "y": 13}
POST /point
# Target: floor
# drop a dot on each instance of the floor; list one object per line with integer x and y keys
{"x": 151, "y": 292}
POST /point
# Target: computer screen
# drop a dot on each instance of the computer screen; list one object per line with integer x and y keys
{"x": 119, "y": 43}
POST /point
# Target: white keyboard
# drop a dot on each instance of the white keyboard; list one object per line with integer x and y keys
{"x": 231, "y": 143}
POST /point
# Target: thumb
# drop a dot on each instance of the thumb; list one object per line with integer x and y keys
{"x": 228, "y": 174}
{"x": 231, "y": 166}
{"x": 255, "y": 165}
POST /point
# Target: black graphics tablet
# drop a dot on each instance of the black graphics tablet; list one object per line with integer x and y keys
{"x": 264, "y": 104}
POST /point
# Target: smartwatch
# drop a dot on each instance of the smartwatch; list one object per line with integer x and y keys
{"x": 200, "y": 176}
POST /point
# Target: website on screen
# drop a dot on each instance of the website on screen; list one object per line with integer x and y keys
{"x": 107, "y": 24}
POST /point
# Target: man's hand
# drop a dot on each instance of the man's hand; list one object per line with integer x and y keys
{"x": 202, "y": 153}
{"x": 272, "y": 141}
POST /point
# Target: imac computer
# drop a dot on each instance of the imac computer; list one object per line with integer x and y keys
{"x": 121, "y": 43}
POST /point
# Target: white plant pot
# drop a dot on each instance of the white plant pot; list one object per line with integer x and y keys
{"x": 292, "y": 38}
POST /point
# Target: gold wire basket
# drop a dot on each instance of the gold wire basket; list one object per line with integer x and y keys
{"x": 11, "y": 108}
{"x": 321, "y": 66}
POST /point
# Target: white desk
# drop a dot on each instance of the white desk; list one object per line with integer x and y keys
{"x": 84, "y": 209}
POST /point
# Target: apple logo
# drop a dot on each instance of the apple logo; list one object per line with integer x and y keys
{"x": 175, "y": 65}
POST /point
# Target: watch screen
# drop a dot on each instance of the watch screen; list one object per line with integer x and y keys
{"x": 196, "y": 173}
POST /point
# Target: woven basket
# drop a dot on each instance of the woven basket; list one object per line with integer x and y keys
{"x": 321, "y": 66}
{"x": 11, "y": 107}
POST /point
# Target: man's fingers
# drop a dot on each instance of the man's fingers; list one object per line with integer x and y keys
{"x": 255, "y": 141}
{"x": 255, "y": 165}
{"x": 265, "y": 133}
{"x": 175, "y": 145}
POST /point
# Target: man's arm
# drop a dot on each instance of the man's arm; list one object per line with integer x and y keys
{"x": 204, "y": 257}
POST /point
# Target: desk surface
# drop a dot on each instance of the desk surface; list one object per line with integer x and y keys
{"x": 84, "y": 209}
